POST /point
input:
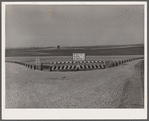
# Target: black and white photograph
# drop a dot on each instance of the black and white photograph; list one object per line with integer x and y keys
{"x": 75, "y": 57}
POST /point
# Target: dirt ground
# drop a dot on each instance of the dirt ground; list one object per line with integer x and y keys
{"x": 117, "y": 87}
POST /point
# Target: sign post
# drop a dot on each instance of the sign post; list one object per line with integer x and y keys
{"x": 38, "y": 64}
{"x": 78, "y": 57}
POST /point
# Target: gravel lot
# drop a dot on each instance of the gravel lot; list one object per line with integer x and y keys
{"x": 118, "y": 87}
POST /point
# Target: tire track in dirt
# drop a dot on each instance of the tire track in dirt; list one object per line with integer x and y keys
{"x": 133, "y": 92}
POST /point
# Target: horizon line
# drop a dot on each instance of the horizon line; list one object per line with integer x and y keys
{"x": 71, "y": 46}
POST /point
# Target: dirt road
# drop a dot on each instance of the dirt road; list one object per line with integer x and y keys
{"x": 118, "y": 87}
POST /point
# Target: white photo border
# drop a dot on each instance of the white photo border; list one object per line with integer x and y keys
{"x": 74, "y": 113}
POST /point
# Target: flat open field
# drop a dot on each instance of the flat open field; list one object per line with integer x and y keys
{"x": 67, "y": 51}
{"x": 117, "y": 87}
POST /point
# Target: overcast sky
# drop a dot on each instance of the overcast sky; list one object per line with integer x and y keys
{"x": 47, "y": 25}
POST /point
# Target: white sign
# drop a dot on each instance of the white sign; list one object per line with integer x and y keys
{"x": 78, "y": 56}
